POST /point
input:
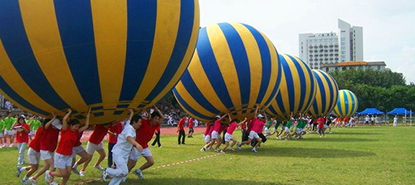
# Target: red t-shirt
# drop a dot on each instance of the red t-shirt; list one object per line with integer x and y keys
{"x": 50, "y": 139}
{"x": 320, "y": 120}
{"x": 249, "y": 126}
{"x": 222, "y": 128}
{"x": 190, "y": 122}
{"x": 257, "y": 125}
{"x": 158, "y": 129}
{"x": 117, "y": 129}
{"x": 216, "y": 126}
{"x": 321, "y": 125}
{"x": 180, "y": 125}
{"x": 231, "y": 128}
{"x": 78, "y": 139}
{"x": 208, "y": 128}
{"x": 22, "y": 136}
{"x": 35, "y": 143}
{"x": 67, "y": 142}
{"x": 145, "y": 133}
{"x": 98, "y": 135}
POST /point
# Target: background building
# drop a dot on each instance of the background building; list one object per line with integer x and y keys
{"x": 342, "y": 66}
{"x": 317, "y": 49}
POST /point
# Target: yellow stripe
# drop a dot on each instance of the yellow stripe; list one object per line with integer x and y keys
{"x": 110, "y": 31}
{"x": 225, "y": 63}
{"x": 327, "y": 89}
{"x": 167, "y": 25}
{"x": 42, "y": 30}
{"x": 274, "y": 71}
{"x": 15, "y": 81}
{"x": 308, "y": 89}
{"x": 187, "y": 57}
{"x": 284, "y": 94}
{"x": 254, "y": 57}
{"x": 333, "y": 98}
{"x": 181, "y": 89}
{"x": 318, "y": 100}
{"x": 350, "y": 103}
{"x": 296, "y": 82}
{"x": 192, "y": 115}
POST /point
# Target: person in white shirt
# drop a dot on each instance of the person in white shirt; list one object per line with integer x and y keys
{"x": 395, "y": 121}
{"x": 121, "y": 150}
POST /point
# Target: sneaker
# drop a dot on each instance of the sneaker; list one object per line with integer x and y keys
{"x": 239, "y": 145}
{"x": 254, "y": 150}
{"x": 48, "y": 177}
{"x": 222, "y": 152}
{"x": 160, "y": 146}
{"x": 99, "y": 168}
{"x": 75, "y": 171}
{"x": 203, "y": 149}
{"x": 104, "y": 176}
{"x": 81, "y": 173}
{"x": 19, "y": 171}
{"x": 139, "y": 173}
{"x": 152, "y": 145}
{"x": 32, "y": 181}
{"x": 24, "y": 180}
{"x": 217, "y": 150}
{"x": 231, "y": 149}
{"x": 11, "y": 145}
{"x": 54, "y": 183}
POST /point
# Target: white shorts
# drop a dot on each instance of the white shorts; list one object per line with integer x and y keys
{"x": 135, "y": 154}
{"x": 215, "y": 135}
{"x": 299, "y": 130}
{"x": 62, "y": 161}
{"x": 77, "y": 150}
{"x": 228, "y": 137}
{"x": 10, "y": 132}
{"x": 91, "y": 147}
{"x": 287, "y": 129}
{"x": 207, "y": 138}
{"x": 32, "y": 132}
{"x": 253, "y": 135}
{"x": 326, "y": 126}
{"x": 33, "y": 157}
{"x": 267, "y": 130}
{"x": 1, "y": 134}
{"x": 45, "y": 155}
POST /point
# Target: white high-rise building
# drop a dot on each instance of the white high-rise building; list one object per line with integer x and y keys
{"x": 325, "y": 48}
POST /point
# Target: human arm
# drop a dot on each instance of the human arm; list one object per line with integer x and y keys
{"x": 131, "y": 114}
{"x": 161, "y": 114}
{"x": 134, "y": 143}
{"x": 65, "y": 118}
{"x": 47, "y": 125}
{"x": 242, "y": 122}
{"x": 86, "y": 121}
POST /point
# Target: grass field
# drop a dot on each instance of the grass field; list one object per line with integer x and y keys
{"x": 360, "y": 155}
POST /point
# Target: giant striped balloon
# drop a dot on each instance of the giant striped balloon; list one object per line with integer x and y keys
{"x": 234, "y": 68}
{"x": 106, "y": 54}
{"x": 347, "y": 104}
{"x": 297, "y": 89}
{"x": 326, "y": 96}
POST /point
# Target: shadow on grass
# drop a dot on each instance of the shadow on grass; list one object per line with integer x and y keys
{"x": 193, "y": 181}
{"x": 335, "y": 139}
{"x": 355, "y": 133}
{"x": 304, "y": 152}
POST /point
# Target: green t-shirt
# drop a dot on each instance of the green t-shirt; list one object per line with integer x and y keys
{"x": 35, "y": 124}
{"x": 301, "y": 123}
{"x": 277, "y": 125}
{"x": 1, "y": 125}
{"x": 8, "y": 122}
{"x": 268, "y": 124}
{"x": 289, "y": 123}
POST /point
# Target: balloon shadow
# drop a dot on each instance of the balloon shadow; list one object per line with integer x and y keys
{"x": 193, "y": 181}
{"x": 336, "y": 139}
{"x": 304, "y": 152}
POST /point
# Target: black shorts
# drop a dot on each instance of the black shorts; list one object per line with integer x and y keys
{"x": 191, "y": 130}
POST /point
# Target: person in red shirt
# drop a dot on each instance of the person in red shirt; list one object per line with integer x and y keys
{"x": 94, "y": 144}
{"x": 143, "y": 135}
{"x": 63, "y": 156}
{"x": 78, "y": 150}
{"x": 157, "y": 140}
{"x": 216, "y": 130}
{"x": 190, "y": 125}
{"x": 321, "y": 121}
{"x": 229, "y": 133}
{"x": 33, "y": 156}
{"x": 257, "y": 127}
{"x": 22, "y": 138}
{"x": 180, "y": 130}
{"x": 113, "y": 131}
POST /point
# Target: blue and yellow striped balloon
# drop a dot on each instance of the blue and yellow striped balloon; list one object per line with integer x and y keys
{"x": 326, "y": 96}
{"x": 106, "y": 54}
{"x": 347, "y": 104}
{"x": 234, "y": 68}
{"x": 297, "y": 89}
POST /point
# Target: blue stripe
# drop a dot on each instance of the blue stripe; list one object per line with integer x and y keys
{"x": 240, "y": 58}
{"x": 322, "y": 91}
{"x": 141, "y": 27}
{"x": 280, "y": 103}
{"x": 346, "y": 103}
{"x": 77, "y": 33}
{"x": 353, "y": 103}
{"x": 312, "y": 94}
{"x": 187, "y": 16}
{"x": 197, "y": 95}
{"x": 277, "y": 82}
{"x": 331, "y": 88}
{"x": 187, "y": 107}
{"x": 272, "y": 110}
{"x": 303, "y": 84}
{"x": 290, "y": 83}
{"x": 118, "y": 112}
{"x": 17, "y": 46}
{"x": 14, "y": 96}
{"x": 339, "y": 106}
{"x": 209, "y": 63}
{"x": 265, "y": 60}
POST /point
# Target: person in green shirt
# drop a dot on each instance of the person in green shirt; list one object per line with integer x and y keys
{"x": 268, "y": 125}
{"x": 300, "y": 131}
{"x": 1, "y": 132}
{"x": 8, "y": 123}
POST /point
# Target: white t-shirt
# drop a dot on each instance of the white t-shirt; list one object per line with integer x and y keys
{"x": 123, "y": 146}
{"x": 395, "y": 120}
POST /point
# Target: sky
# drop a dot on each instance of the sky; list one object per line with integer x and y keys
{"x": 388, "y": 25}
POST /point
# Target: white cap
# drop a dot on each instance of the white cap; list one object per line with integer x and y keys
{"x": 56, "y": 123}
{"x": 217, "y": 116}
{"x": 260, "y": 116}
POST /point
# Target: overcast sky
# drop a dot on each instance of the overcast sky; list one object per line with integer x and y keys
{"x": 388, "y": 25}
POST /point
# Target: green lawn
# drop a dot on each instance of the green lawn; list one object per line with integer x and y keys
{"x": 361, "y": 155}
